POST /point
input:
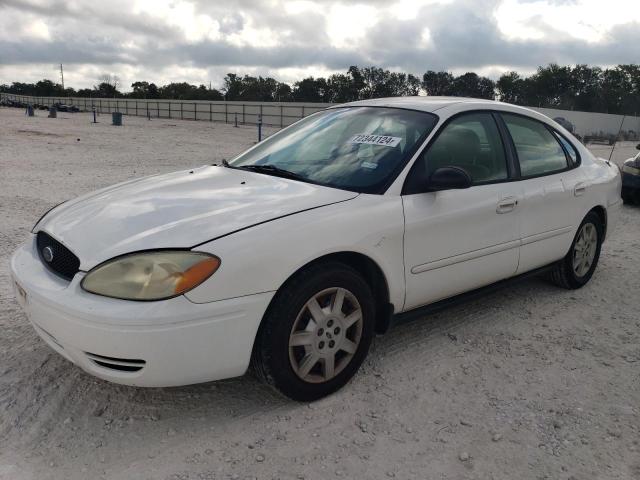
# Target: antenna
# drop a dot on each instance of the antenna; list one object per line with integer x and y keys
{"x": 62, "y": 76}
{"x": 615, "y": 140}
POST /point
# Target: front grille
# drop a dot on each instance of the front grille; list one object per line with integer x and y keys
{"x": 62, "y": 261}
{"x": 120, "y": 364}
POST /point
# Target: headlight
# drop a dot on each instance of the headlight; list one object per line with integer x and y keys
{"x": 151, "y": 275}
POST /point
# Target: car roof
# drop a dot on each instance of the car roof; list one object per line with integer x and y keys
{"x": 432, "y": 103}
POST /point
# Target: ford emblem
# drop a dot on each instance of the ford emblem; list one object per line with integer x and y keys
{"x": 47, "y": 254}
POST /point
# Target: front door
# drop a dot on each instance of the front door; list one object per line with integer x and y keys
{"x": 459, "y": 240}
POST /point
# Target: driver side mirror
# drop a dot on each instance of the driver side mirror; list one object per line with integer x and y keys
{"x": 448, "y": 178}
{"x": 638, "y": 146}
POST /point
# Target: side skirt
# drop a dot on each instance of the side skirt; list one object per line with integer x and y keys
{"x": 440, "y": 305}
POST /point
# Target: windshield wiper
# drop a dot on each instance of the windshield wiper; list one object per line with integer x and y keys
{"x": 273, "y": 170}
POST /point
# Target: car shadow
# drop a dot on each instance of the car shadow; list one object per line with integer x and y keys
{"x": 56, "y": 395}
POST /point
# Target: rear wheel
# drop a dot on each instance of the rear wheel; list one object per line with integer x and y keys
{"x": 577, "y": 268}
{"x": 316, "y": 333}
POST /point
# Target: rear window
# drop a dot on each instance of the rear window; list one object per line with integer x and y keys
{"x": 539, "y": 151}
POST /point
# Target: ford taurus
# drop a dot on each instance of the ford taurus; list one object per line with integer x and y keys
{"x": 293, "y": 255}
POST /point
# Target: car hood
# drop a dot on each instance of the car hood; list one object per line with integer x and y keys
{"x": 177, "y": 210}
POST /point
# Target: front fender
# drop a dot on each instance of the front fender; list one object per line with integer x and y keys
{"x": 261, "y": 258}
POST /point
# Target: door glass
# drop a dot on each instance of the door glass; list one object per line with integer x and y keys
{"x": 471, "y": 142}
{"x": 539, "y": 152}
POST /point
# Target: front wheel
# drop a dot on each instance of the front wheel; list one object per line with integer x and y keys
{"x": 316, "y": 333}
{"x": 577, "y": 268}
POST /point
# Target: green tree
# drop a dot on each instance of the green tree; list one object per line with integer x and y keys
{"x": 283, "y": 93}
{"x": 437, "y": 83}
{"x": 144, "y": 90}
{"x": 472, "y": 85}
{"x": 311, "y": 90}
{"x": 105, "y": 90}
{"x": 511, "y": 87}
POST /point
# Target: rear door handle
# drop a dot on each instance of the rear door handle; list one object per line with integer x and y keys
{"x": 506, "y": 205}
{"x": 579, "y": 189}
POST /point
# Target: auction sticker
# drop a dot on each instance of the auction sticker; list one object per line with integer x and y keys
{"x": 383, "y": 140}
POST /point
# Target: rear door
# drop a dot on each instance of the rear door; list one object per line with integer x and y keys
{"x": 458, "y": 240}
{"x": 552, "y": 190}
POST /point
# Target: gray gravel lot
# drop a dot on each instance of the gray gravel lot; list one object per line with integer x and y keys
{"x": 531, "y": 382}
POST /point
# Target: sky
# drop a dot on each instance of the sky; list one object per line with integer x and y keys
{"x": 199, "y": 41}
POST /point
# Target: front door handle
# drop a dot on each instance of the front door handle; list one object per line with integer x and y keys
{"x": 506, "y": 205}
{"x": 579, "y": 189}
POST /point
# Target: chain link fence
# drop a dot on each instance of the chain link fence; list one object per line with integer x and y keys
{"x": 276, "y": 114}
{"x": 600, "y": 127}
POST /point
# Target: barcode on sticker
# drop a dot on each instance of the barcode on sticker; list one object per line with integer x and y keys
{"x": 383, "y": 140}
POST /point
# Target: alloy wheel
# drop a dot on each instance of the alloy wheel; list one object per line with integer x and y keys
{"x": 325, "y": 335}
{"x": 584, "y": 250}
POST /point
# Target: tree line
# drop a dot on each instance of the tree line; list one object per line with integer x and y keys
{"x": 580, "y": 87}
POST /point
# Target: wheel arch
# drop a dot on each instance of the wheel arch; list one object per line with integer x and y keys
{"x": 371, "y": 272}
{"x": 602, "y": 213}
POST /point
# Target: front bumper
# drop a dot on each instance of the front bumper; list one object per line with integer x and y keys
{"x": 152, "y": 344}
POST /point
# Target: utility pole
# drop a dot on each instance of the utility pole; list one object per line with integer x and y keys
{"x": 62, "y": 76}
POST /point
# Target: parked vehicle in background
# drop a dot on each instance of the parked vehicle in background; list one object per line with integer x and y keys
{"x": 61, "y": 107}
{"x": 291, "y": 256}
{"x": 631, "y": 179}
{"x": 607, "y": 139}
{"x": 568, "y": 126}
{"x": 12, "y": 103}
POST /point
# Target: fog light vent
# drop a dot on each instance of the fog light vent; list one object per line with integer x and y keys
{"x": 119, "y": 364}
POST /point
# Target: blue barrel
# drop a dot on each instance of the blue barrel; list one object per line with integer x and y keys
{"x": 116, "y": 118}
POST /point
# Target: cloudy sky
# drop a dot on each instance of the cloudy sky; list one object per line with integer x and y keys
{"x": 199, "y": 41}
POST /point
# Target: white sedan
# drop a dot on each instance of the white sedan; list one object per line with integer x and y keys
{"x": 294, "y": 254}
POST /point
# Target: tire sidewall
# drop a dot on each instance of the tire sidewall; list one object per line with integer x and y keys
{"x": 279, "y": 323}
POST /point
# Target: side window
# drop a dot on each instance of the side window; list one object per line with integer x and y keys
{"x": 570, "y": 149}
{"x": 539, "y": 151}
{"x": 472, "y": 142}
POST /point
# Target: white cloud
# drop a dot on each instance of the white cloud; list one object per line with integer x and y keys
{"x": 588, "y": 20}
{"x": 347, "y": 24}
{"x": 200, "y": 40}
{"x": 409, "y": 9}
{"x": 37, "y": 29}
{"x": 182, "y": 16}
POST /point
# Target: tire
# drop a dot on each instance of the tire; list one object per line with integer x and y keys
{"x": 565, "y": 274}
{"x": 288, "y": 340}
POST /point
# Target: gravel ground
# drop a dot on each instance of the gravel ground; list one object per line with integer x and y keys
{"x": 529, "y": 382}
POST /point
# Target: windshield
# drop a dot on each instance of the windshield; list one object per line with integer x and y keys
{"x": 353, "y": 148}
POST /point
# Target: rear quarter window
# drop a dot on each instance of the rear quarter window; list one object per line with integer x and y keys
{"x": 569, "y": 148}
{"x": 539, "y": 151}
